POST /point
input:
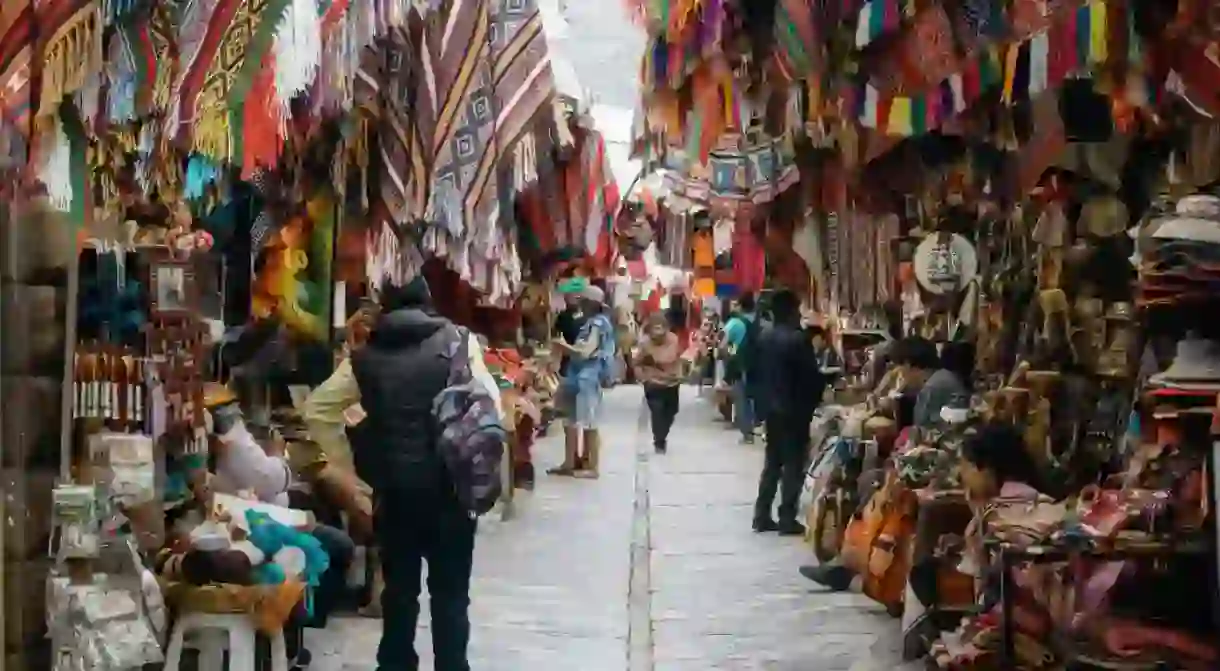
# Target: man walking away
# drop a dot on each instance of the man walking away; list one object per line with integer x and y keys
{"x": 741, "y": 345}
{"x": 792, "y": 386}
{"x": 422, "y": 491}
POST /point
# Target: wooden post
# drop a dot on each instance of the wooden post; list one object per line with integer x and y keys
{"x": 66, "y": 389}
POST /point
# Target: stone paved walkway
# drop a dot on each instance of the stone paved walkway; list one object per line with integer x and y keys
{"x": 557, "y": 589}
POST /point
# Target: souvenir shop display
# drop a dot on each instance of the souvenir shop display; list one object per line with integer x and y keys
{"x": 156, "y": 229}
{"x": 1098, "y": 571}
{"x": 106, "y": 620}
{"x": 527, "y": 395}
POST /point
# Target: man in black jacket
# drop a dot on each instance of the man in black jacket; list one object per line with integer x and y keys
{"x": 417, "y": 517}
{"x": 792, "y": 386}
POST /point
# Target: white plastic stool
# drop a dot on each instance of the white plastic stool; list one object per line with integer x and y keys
{"x": 212, "y": 635}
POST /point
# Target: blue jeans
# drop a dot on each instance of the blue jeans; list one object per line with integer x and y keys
{"x": 743, "y": 409}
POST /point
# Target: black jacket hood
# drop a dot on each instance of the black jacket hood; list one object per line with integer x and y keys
{"x": 406, "y": 327}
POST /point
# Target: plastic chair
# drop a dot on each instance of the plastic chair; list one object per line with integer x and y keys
{"x": 213, "y": 634}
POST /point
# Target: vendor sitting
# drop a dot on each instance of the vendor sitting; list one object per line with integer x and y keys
{"x": 242, "y": 465}
{"x": 926, "y": 385}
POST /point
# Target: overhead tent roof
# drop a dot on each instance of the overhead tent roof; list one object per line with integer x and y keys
{"x": 556, "y": 29}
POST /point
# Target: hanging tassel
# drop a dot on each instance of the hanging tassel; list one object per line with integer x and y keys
{"x": 526, "y": 157}
{"x": 200, "y": 173}
{"x": 298, "y": 49}
{"x": 72, "y": 53}
{"x": 55, "y": 173}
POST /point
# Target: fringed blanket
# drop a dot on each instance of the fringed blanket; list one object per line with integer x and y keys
{"x": 225, "y": 45}
{"x": 798, "y": 49}
{"x": 492, "y": 77}
{"x": 69, "y": 47}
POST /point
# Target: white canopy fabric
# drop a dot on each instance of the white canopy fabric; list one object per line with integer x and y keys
{"x": 556, "y": 28}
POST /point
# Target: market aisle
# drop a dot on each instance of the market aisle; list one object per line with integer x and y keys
{"x": 724, "y": 597}
{"x": 555, "y": 589}
{"x": 551, "y": 586}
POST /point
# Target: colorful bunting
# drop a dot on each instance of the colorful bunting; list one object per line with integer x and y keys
{"x": 1079, "y": 39}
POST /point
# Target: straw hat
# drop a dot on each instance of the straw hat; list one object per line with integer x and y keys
{"x": 1197, "y": 364}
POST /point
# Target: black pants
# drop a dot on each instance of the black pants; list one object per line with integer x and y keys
{"x": 662, "y": 409}
{"x": 410, "y": 531}
{"x": 784, "y": 466}
{"x": 330, "y": 592}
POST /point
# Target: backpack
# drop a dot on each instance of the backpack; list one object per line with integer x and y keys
{"x": 470, "y": 437}
{"x": 741, "y": 358}
{"x": 607, "y": 349}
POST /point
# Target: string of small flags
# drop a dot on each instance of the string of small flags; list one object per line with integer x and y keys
{"x": 1076, "y": 43}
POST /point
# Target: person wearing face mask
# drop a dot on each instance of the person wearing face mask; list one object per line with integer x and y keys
{"x": 580, "y": 391}
{"x": 658, "y": 364}
{"x": 243, "y": 465}
{"x": 915, "y": 361}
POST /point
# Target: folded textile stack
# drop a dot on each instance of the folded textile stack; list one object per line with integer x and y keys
{"x": 1178, "y": 254}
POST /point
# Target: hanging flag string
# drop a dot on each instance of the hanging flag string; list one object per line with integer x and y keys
{"x": 1078, "y": 41}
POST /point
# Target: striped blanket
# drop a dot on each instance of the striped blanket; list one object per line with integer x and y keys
{"x": 482, "y": 76}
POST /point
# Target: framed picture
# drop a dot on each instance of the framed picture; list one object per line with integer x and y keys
{"x": 171, "y": 289}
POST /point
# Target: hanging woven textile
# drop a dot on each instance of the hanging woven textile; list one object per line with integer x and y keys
{"x": 490, "y": 64}
{"x": 225, "y": 44}
{"x": 122, "y": 78}
{"x": 69, "y": 48}
{"x": 390, "y": 81}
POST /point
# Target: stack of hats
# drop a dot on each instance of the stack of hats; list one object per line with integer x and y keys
{"x": 1180, "y": 254}
{"x": 1196, "y": 368}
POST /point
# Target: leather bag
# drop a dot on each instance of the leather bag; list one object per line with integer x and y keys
{"x": 876, "y": 544}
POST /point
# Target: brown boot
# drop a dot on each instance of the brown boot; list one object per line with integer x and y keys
{"x": 571, "y": 461}
{"x": 589, "y": 470}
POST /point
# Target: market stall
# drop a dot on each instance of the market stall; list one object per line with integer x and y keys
{"x": 174, "y": 202}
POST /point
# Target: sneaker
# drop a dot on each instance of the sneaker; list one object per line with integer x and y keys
{"x": 791, "y": 528}
{"x": 661, "y": 448}
{"x": 831, "y": 576}
{"x": 747, "y": 440}
{"x": 765, "y": 525}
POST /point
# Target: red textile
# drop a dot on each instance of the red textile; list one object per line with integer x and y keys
{"x": 749, "y": 260}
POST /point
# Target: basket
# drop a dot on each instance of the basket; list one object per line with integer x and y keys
{"x": 269, "y": 605}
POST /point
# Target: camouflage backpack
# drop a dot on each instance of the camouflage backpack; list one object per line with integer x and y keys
{"x": 471, "y": 438}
